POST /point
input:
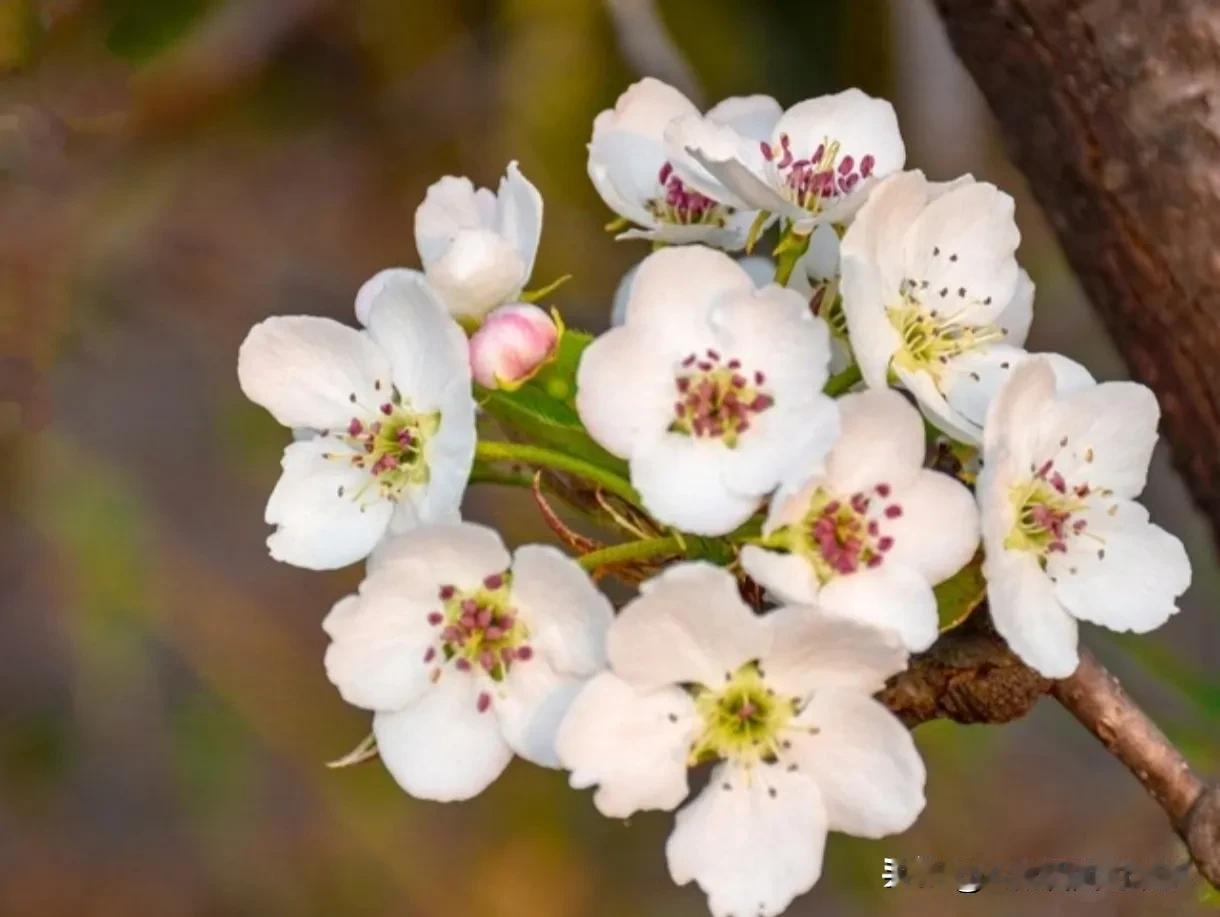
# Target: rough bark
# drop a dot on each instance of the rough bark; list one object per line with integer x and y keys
{"x": 1111, "y": 108}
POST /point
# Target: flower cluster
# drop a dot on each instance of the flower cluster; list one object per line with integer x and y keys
{"x": 814, "y": 464}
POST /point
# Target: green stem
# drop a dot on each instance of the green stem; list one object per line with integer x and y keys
{"x": 558, "y": 461}
{"x": 840, "y": 382}
{"x": 645, "y": 549}
{"x": 485, "y": 474}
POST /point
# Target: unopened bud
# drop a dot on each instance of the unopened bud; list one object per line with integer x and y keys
{"x": 514, "y": 342}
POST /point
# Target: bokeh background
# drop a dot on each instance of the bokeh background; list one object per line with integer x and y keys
{"x": 172, "y": 171}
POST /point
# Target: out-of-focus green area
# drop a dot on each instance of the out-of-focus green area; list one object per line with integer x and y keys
{"x": 172, "y": 171}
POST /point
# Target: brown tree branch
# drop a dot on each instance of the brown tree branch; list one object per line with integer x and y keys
{"x": 1110, "y": 108}
{"x": 1098, "y": 701}
{"x": 970, "y": 676}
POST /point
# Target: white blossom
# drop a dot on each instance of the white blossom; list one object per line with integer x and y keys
{"x": 477, "y": 247}
{"x": 466, "y": 656}
{"x": 384, "y": 419}
{"x": 781, "y": 704}
{"x": 1064, "y": 538}
{"x": 870, "y": 535}
{"x": 638, "y": 179}
{"x": 711, "y": 389}
{"x": 934, "y": 298}
{"x": 817, "y": 166}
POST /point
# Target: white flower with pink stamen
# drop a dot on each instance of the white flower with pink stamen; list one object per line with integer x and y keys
{"x": 386, "y": 421}
{"x": 870, "y": 535}
{"x": 637, "y": 178}
{"x": 1064, "y": 538}
{"x": 465, "y": 655}
{"x": 779, "y": 704}
{"x": 711, "y": 389}
{"x": 934, "y": 299}
{"x": 817, "y": 165}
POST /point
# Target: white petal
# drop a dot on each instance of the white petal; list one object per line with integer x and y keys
{"x": 479, "y": 271}
{"x": 821, "y": 259}
{"x": 877, "y": 234}
{"x": 882, "y": 443}
{"x": 703, "y": 150}
{"x": 624, "y": 389}
{"x": 1018, "y": 315}
{"x": 322, "y": 520}
{"x": 972, "y": 379}
{"x": 450, "y": 455}
{"x": 371, "y": 289}
{"x": 938, "y": 531}
{"x": 813, "y": 649}
{"x": 738, "y": 171}
{"x": 426, "y": 347}
{"x": 1122, "y": 572}
{"x": 450, "y": 206}
{"x": 1110, "y": 431}
{"x": 519, "y": 216}
{"x": 460, "y": 555}
{"x": 864, "y": 762}
{"x": 936, "y": 408}
{"x": 441, "y": 747}
{"x": 311, "y": 372}
{"x": 874, "y": 339}
{"x": 378, "y": 642}
{"x": 754, "y": 846}
{"x": 625, "y": 169}
{"x": 688, "y": 625}
{"x": 892, "y": 597}
{"x": 966, "y": 240}
{"x": 632, "y": 744}
{"x": 682, "y": 481}
{"x": 676, "y": 289}
{"x": 754, "y": 117}
{"x": 566, "y": 613}
{"x": 1027, "y": 615}
{"x": 530, "y": 704}
{"x": 1014, "y": 417}
{"x": 786, "y": 577}
{"x": 771, "y": 329}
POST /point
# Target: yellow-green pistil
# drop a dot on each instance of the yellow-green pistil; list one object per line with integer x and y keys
{"x": 931, "y": 338}
{"x": 717, "y": 398}
{"x": 478, "y": 629}
{"x": 743, "y": 721}
{"x": 1043, "y": 507}
{"x": 390, "y": 448}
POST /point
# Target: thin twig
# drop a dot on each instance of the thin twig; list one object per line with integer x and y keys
{"x": 1098, "y": 701}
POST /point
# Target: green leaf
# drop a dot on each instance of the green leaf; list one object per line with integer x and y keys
{"x": 960, "y": 594}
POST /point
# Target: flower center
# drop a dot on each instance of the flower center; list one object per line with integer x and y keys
{"x": 840, "y": 536}
{"x": 479, "y": 629}
{"x": 717, "y": 398}
{"x": 743, "y": 721}
{"x": 391, "y": 448}
{"x": 1044, "y": 508}
{"x": 683, "y": 205}
{"x": 930, "y": 340}
{"x": 809, "y": 183}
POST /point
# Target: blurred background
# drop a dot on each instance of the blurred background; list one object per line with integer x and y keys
{"x": 173, "y": 171}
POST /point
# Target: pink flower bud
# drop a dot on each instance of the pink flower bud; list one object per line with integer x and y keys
{"x": 512, "y": 344}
